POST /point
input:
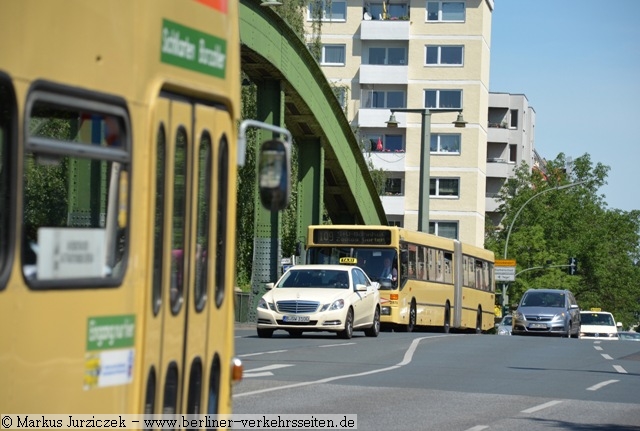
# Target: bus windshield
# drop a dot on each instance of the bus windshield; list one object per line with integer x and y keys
{"x": 380, "y": 264}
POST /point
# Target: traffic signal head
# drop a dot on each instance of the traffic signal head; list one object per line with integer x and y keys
{"x": 573, "y": 266}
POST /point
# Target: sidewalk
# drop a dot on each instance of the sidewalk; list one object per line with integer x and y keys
{"x": 245, "y": 325}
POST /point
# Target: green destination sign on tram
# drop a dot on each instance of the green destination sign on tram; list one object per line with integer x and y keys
{"x": 192, "y": 49}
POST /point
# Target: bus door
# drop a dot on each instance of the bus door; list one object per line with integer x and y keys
{"x": 189, "y": 252}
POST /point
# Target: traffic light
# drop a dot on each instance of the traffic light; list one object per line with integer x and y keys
{"x": 573, "y": 266}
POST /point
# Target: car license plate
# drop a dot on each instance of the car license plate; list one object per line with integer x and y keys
{"x": 537, "y": 325}
{"x": 295, "y": 318}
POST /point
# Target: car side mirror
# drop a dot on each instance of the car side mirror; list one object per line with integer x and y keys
{"x": 268, "y": 286}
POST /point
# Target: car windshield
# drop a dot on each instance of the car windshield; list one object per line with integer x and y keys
{"x": 597, "y": 319}
{"x": 543, "y": 299}
{"x": 506, "y": 320}
{"x": 313, "y": 278}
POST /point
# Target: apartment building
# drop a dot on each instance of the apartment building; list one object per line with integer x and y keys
{"x": 416, "y": 54}
{"x": 510, "y": 141}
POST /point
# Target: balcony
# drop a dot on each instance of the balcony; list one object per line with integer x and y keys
{"x": 491, "y": 203}
{"x": 393, "y": 205}
{"x": 499, "y": 168}
{"x": 391, "y": 161}
{"x": 384, "y": 30}
{"x": 378, "y": 117}
{"x": 498, "y": 134}
{"x": 384, "y": 74}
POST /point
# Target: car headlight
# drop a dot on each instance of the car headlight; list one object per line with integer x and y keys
{"x": 559, "y": 317}
{"x": 265, "y": 305}
{"x": 338, "y": 304}
{"x": 518, "y": 315}
{"x": 503, "y": 331}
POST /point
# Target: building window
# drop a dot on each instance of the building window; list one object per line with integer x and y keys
{"x": 330, "y": 10}
{"x": 383, "y": 99}
{"x": 438, "y": 55}
{"x": 445, "y": 143}
{"x": 384, "y": 143}
{"x": 333, "y": 55}
{"x": 443, "y": 99}
{"x": 388, "y": 56}
{"x": 449, "y": 11}
{"x": 388, "y": 11}
{"x": 513, "y": 153}
{"x": 444, "y": 187}
{"x": 514, "y": 119}
{"x": 393, "y": 187}
{"x": 447, "y": 229}
{"x": 394, "y": 222}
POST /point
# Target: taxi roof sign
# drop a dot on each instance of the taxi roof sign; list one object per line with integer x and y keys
{"x": 348, "y": 260}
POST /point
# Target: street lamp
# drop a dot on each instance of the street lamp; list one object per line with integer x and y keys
{"x": 506, "y": 243}
{"x": 425, "y": 150}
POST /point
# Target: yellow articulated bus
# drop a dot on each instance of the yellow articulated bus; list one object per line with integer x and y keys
{"x": 119, "y": 152}
{"x": 425, "y": 280}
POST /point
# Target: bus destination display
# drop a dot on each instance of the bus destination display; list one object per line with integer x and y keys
{"x": 352, "y": 236}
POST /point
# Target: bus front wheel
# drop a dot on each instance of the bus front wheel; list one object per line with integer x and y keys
{"x": 409, "y": 327}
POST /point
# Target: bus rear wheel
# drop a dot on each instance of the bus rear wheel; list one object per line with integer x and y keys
{"x": 446, "y": 326}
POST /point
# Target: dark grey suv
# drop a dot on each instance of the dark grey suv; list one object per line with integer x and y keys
{"x": 547, "y": 312}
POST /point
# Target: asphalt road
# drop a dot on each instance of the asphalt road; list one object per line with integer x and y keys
{"x": 433, "y": 381}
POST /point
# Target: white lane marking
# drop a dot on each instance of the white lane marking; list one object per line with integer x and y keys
{"x": 597, "y": 347}
{"x": 602, "y": 384}
{"x": 262, "y": 374}
{"x": 337, "y": 345}
{"x": 407, "y": 358}
{"x": 541, "y": 407}
{"x": 264, "y": 371}
{"x": 477, "y": 428}
{"x": 246, "y": 355}
{"x": 619, "y": 369}
{"x": 604, "y": 355}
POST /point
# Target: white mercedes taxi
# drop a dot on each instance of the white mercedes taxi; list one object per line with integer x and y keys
{"x": 599, "y": 325}
{"x": 334, "y": 298}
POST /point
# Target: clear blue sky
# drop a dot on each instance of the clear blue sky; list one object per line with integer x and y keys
{"x": 578, "y": 64}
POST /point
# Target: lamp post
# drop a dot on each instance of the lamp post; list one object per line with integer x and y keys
{"x": 506, "y": 243}
{"x": 425, "y": 150}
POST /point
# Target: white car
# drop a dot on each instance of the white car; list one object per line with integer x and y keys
{"x": 334, "y": 298}
{"x": 597, "y": 324}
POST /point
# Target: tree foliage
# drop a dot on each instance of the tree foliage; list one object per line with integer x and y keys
{"x": 550, "y": 226}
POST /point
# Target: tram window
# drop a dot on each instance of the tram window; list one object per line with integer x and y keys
{"x": 214, "y": 386}
{"x": 178, "y": 217}
{"x": 171, "y": 385}
{"x": 150, "y": 393}
{"x": 222, "y": 221}
{"x": 203, "y": 218}
{"x": 7, "y": 118}
{"x": 194, "y": 397}
{"x": 76, "y": 191}
{"x": 158, "y": 229}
